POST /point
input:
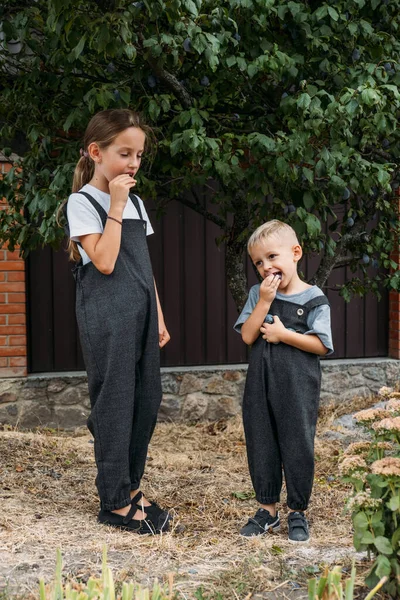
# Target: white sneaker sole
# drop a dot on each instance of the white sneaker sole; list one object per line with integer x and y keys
{"x": 270, "y": 530}
{"x": 301, "y": 542}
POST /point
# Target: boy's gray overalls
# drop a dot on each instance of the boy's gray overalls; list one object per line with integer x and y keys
{"x": 280, "y": 408}
{"x": 118, "y": 326}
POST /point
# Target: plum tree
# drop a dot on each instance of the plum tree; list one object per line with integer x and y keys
{"x": 277, "y": 109}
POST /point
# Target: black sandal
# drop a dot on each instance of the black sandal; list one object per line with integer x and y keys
{"x": 158, "y": 517}
{"x": 142, "y": 527}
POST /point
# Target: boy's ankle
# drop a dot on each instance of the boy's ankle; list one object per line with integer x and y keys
{"x": 271, "y": 508}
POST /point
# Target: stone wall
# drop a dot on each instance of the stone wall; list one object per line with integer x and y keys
{"x": 189, "y": 394}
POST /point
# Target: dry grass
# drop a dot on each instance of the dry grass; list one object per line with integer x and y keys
{"x": 49, "y": 500}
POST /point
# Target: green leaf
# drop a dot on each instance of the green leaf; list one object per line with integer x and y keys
{"x": 252, "y": 70}
{"x": 383, "y": 545}
{"x": 176, "y": 145}
{"x": 77, "y": 51}
{"x": 69, "y": 120}
{"x": 154, "y": 109}
{"x": 396, "y": 539}
{"x": 213, "y": 144}
{"x": 223, "y": 169}
{"x": 333, "y": 13}
{"x": 241, "y": 63}
{"x": 392, "y": 88}
{"x": 394, "y": 502}
{"x": 262, "y": 140}
{"x": 281, "y": 11}
{"x": 312, "y": 588}
{"x": 367, "y": 538}
{"x": 103, "y": 37}
{"x": 184, "y": 118}
{"x": 308, "y": 200}
{"x": 352, "y": 28}
{"x": 243, "y": 495}
{"x": 370, "y": 97}
{"x": 313, "y": 225}
{"x": 304, "y": 101}
{"x": 191, "y": 7}
{"x": 125, "y": 95}
{"x": 360, "y": 522}
{"x": 282, "y": 165}
{"x": 383, "y": 567}
{"x": 130, "y": 51}
{"x": 308, "y": 174}
{"x": 383, "y": 177}
{"x": 321, "y": 12}
{"x": 376, "y": 519}
{"x": 150, "y": 42}
{"x": 380, "y": 122}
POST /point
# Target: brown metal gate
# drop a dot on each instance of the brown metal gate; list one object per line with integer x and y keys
{"x": 198, "y": 308}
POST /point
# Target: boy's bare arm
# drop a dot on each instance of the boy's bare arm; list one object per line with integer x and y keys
{"x": 251, "y": 328}
{"x": 277, "y": 332}
{"x": 308, "y": 343}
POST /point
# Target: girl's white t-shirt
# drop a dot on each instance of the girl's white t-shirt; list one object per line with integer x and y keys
{"x": 83, "y": 218}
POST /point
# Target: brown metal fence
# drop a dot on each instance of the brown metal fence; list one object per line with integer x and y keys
{"x": 199, "y": 310}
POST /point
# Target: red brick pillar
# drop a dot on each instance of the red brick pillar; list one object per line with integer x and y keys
{"x": 394, "y": 306}
{"x": 13, "y": 360}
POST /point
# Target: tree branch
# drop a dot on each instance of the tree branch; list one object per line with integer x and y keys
{"x": 343, "y": 261}
{"x": 340, "y": 258}
{"x": 202, "y": 211}
{"x": 380, "y": 153}
{"x": 171, "y": 81}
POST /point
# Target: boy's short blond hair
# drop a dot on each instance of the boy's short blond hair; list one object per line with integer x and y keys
{"x": 269, "y": 228}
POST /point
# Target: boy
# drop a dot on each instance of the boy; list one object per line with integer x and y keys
{"x": 281, "y": 396}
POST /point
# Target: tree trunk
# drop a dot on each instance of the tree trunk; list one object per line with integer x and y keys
{"x": 236, "y": 250}
{"x": 236, "y": 274}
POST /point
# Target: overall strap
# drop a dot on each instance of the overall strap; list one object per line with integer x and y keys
{"x": 136, "y": 204}
{"x": 97, "y": 206}
{"x": 317, "y": 301}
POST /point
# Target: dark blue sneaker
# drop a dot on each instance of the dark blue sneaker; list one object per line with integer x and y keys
{"x": 261, "y": 523}
{"x": 298, "y": 528}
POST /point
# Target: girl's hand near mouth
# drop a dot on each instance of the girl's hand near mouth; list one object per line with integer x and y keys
{"x": 119, "y": 190}
{"x": 134, "y": 181}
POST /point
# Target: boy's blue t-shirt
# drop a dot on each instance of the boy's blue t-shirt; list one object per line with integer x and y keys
{"x": 318, "y": 320}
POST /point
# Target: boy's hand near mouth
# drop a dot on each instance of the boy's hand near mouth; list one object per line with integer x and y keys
{"x": 269, "y": 287}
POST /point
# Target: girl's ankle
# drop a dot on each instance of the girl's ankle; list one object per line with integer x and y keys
{"x": 122, "y": 511}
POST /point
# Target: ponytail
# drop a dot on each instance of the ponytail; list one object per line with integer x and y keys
{"x": 83, "y": 172}
{"x": 82, "y": 175}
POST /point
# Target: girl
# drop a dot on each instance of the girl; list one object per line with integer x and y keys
{"x": 120, "y": 320}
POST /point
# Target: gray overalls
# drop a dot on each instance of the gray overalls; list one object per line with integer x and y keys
{"x": 118, "y": 326}
{"x": 280, "y": 409}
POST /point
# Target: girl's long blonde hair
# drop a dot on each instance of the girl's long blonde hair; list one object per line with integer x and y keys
{"x": 103, "y": 128}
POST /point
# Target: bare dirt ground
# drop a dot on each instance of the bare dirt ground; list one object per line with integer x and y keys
{"x": 49, "y": 500}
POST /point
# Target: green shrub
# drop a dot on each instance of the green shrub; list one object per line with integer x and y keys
{"x": 330, "y": 586}
{"x": 98, "y": 589}
{"x": 373, "y": 470}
